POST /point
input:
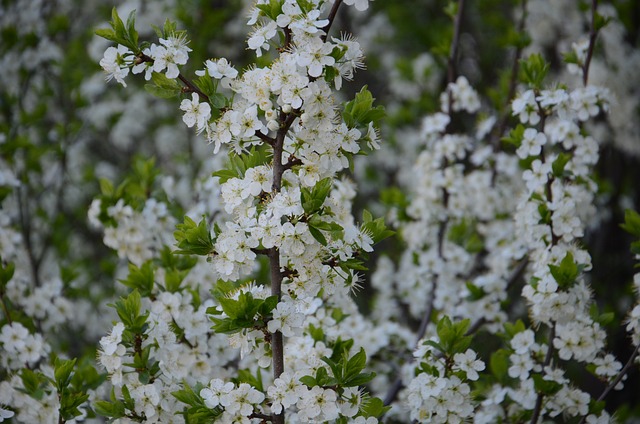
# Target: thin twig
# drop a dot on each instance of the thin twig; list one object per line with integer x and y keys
{"x": 547, "y": 360}
{"x": 616, "y": 380}
{"x": 453, "y": 51}
{"x": 331, "y": 18}
{"x": 5, "y": 309}
{"x": 513, "y": 80}
{"x": 25, "y": 227}
{"x": 593, "y": 34}
{"x": 190, "y": 87}
{"x": 622, "y": 373}
{"x": 395, "y": 388}
{"x": 277, "y": 342}
{"x": 269, "y": 140}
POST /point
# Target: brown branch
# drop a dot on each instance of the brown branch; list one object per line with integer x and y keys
{"x": 547, "y": 360}
{"x": 5, "y": 308}
{"x": 192, "y": 88}
{"x": 25, "y": 227}
{"x": 277, "y": 342}
{"x": 189, "y": 86}
{"x": 453, "y": 51}
{"x": 517, "y": 273}
{"x": 331, "y": 18}
{"x": 593, "y": 34}
{"x": 442, "y": 228}
{"x": 291, "y": 162}
{"x": 513, "y": 79}
{"x": 265, "y": 252}
{"x": 260, "y": 416}
{"x": 622, "y": 373}
{"x": 269, "y": 140}
{"x": 618, "y": 378}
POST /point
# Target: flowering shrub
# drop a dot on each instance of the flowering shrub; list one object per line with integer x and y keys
{"x": 214, "y": 249}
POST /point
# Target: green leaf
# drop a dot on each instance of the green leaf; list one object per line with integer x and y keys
{"x": 128, "y": 310}
{"x": 499, "y": 365}
{"x": 239, "y": 163}
{"x": 316, "y": 333}
{"x": 169, "y": 28}
{"x": 62, "y": 372}
{"x": 353, "y": 264}
{"x": 559, "y": 165}
{"x": 375, "y": 228}
{"x": 359, "y": 380}
{"x": 34, "y": 383}
{"x": 117, "y": 24}
{"x": 511, "y": 329}
{"x": 533, "y": 70}
{"x": 360, "y": 110}
{"x": 475, "y": 292}
{"x": 545, "y": 387}
{"x": 465, "y": 234}
{"x": 434, "y": 345}
{"x": 193, "y": 239}
{"x": 312, "y": 200}
{"x": 131, "y": 29}
{"x": 515, "y": 137}
{"x": 452, "y": 335}
{"x": 317, "y": 234}
{"x": 340, "y": 347}
{"x": 173, "y": 279}
{"x": 186, "y": 396}
{"x": 6, "y": 273}
{"x": 108, "y": 409}
{"x": 271, "y": 9}
{"x": 268, "y": 305}
{"x": 162, "y": 86}
{"x": 218, "y": 101}
{"x": 631, "y": 222}
{"x": 225, "y": 325}
{"x": 161, "y": 92}
{"x": 225, "y": 175}
{"x": 571, "y": 57}
{"x": 110, "y": 35}
{"x": 373, "y": 407}
{"x": 600, "y": 21}
{"x": 70, "y": 403}
{"x": 197, "y": 412}
{"x": 566, "y": 273}
{"x": 246, "y": 376}
{"x": 356, "y": 363}
{"x": 141, "y": 278}
{"x": 323, "y": 378}
{"x": 308, "y": 381}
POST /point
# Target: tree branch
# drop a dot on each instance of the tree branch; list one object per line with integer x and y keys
{"x": 593, "y": 34}
{"x": 453, "y": 50}
{"x": 277, "y": 342}
{"x": 513, "y": 79}
{"x": 618, "y": 378}
{"x": 190, "y": 87}
{"x": 547, "y": 360}
{"x": 331, "y": 18}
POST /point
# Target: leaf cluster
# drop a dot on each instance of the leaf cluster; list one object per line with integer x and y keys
{"x": 360, "y": 111}
{"x": 194, "y": 239}
{"x": 121, "y": 33}
{"x": 245, "y": 312}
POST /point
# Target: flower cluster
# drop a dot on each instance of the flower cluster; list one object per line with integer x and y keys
{"x": 281, "y": 125}
{"x": 242, "y": 293}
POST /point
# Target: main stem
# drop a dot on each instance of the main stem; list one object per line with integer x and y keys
{"x": 537, "y": 410}
{"x": 277, "y": 342}
{"x": 286, "y": 120}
